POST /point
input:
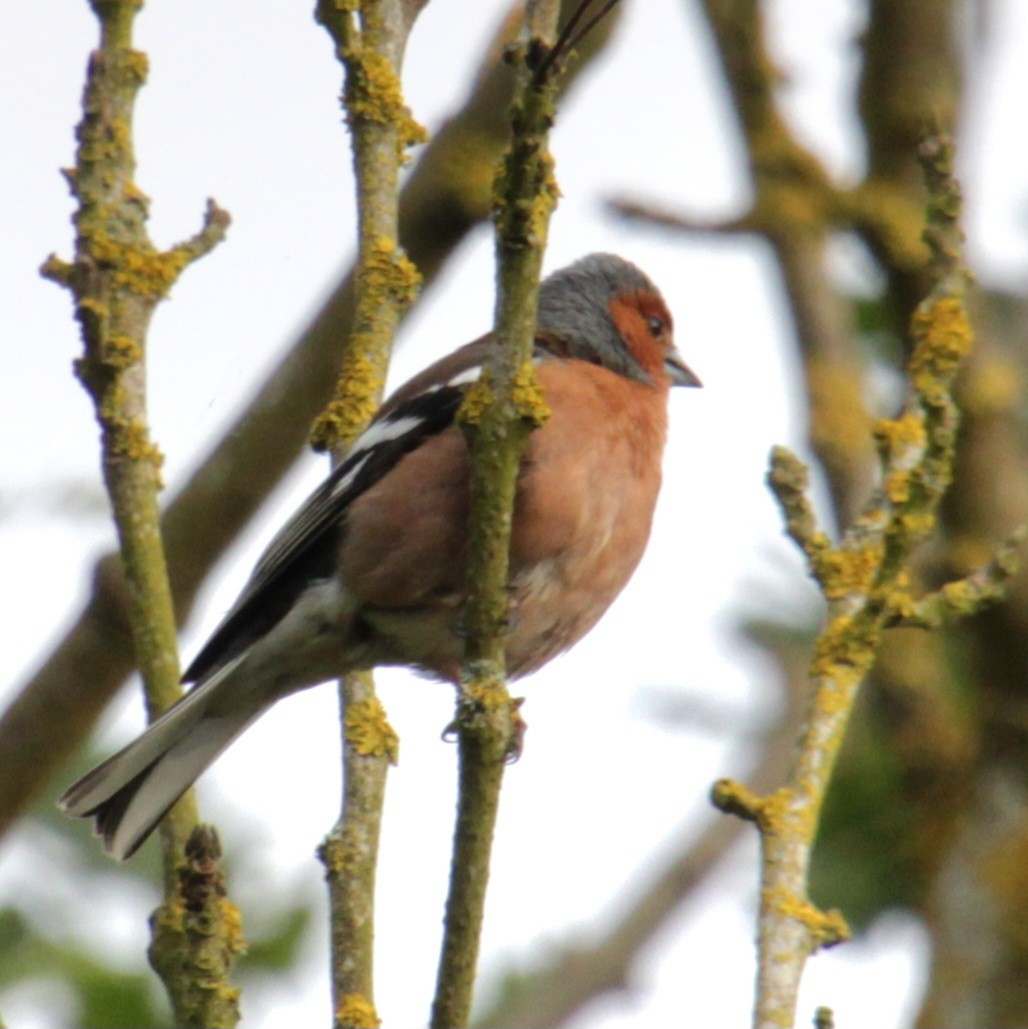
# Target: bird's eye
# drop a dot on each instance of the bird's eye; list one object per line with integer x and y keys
{"x": 656, "y": 326}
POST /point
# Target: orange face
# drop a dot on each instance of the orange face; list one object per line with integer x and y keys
{"x": 646, "y": 326}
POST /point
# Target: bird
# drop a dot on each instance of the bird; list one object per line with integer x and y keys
{"x": 371, "y": 570}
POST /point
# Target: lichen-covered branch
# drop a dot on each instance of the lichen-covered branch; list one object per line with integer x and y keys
{"x": 117, "y": 278}
{"x": 498, "y": 416}
{"x": 865, "y": 583}
{"x": 370, "y": 37}
{"x": 197, "y": 938}
{"x": 446, "y": 196}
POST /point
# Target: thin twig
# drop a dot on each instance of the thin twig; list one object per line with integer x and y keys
{"x": 370, "y": 39}
{"x": 117, "y": 279}
{"x": 487, "y": 717}
{"x": 864, "y": 580}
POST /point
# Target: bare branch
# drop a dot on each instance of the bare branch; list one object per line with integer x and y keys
{"x": 860, "y": 579}
{"x": 117, "y": 279}
{"x": 370, "y": 39}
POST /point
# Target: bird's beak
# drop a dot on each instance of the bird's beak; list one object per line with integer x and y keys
{"x": 678, "y": 371}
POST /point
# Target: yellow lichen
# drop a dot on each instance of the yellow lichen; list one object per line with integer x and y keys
{"x": 357, "y": 1012}
{"x": 842, "y": 572}
{"x": 135, "y": 65}
{"x": 844, "y": 651}
{"x": 373, "y": 93}
{"x": 133, "y": 192}
{"x": 389, "y": 283}
{"x": 477, "y": 398}
{"x": 126, "y": 436}
{"x": 487, "y": 692}
{"x": 232, "y": 927}
{"x": 171, "y": 915}
{"x": 141, "y": 269}
{"x": 825, "y": 927}
{"x": 899, "y": 601}
{"x": 942, "y": 338}
{"x": 897, "y": 487}
{"x": 895, "y": 435}
{"x": 775, "y": 811}
{"x": 388, "y": 271}
{"x": 368, "y": 730}
{"x": 337, "y": 857}
{"x": 121, "y": 351}
{"x": 94, "y": 307}
{"x": 528, "y": 398}
{"x": 915, "y": 524}
{"x": 961, "y": 597}
{"x": 356, "y": 399}
{"x": 771, "y": 813}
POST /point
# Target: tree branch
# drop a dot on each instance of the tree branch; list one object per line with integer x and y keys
{"x": 370, "y": 39}
{"x": 446, "y": 196}
{"x": 498, "y": 415}
{"x": 860, "y": 579}
{"x": 117, "y": 279}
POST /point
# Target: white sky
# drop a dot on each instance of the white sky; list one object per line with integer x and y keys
{"x": 242, "y": 106}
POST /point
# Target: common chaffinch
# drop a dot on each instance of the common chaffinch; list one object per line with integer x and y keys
{"x": 372, "y": 568}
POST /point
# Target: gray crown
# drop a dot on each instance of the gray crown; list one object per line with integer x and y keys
{"x": 574, "y": 305}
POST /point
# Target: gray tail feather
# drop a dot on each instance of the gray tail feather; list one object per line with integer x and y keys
{"x": 132, "y": 791}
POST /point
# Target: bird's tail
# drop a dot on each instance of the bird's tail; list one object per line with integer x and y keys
{"x": 132, "y": 791}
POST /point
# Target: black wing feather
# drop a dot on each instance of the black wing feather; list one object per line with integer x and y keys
{"x": 306, "y": 548}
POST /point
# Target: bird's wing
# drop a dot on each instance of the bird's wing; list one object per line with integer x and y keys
{"x": 304, "y": 551}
